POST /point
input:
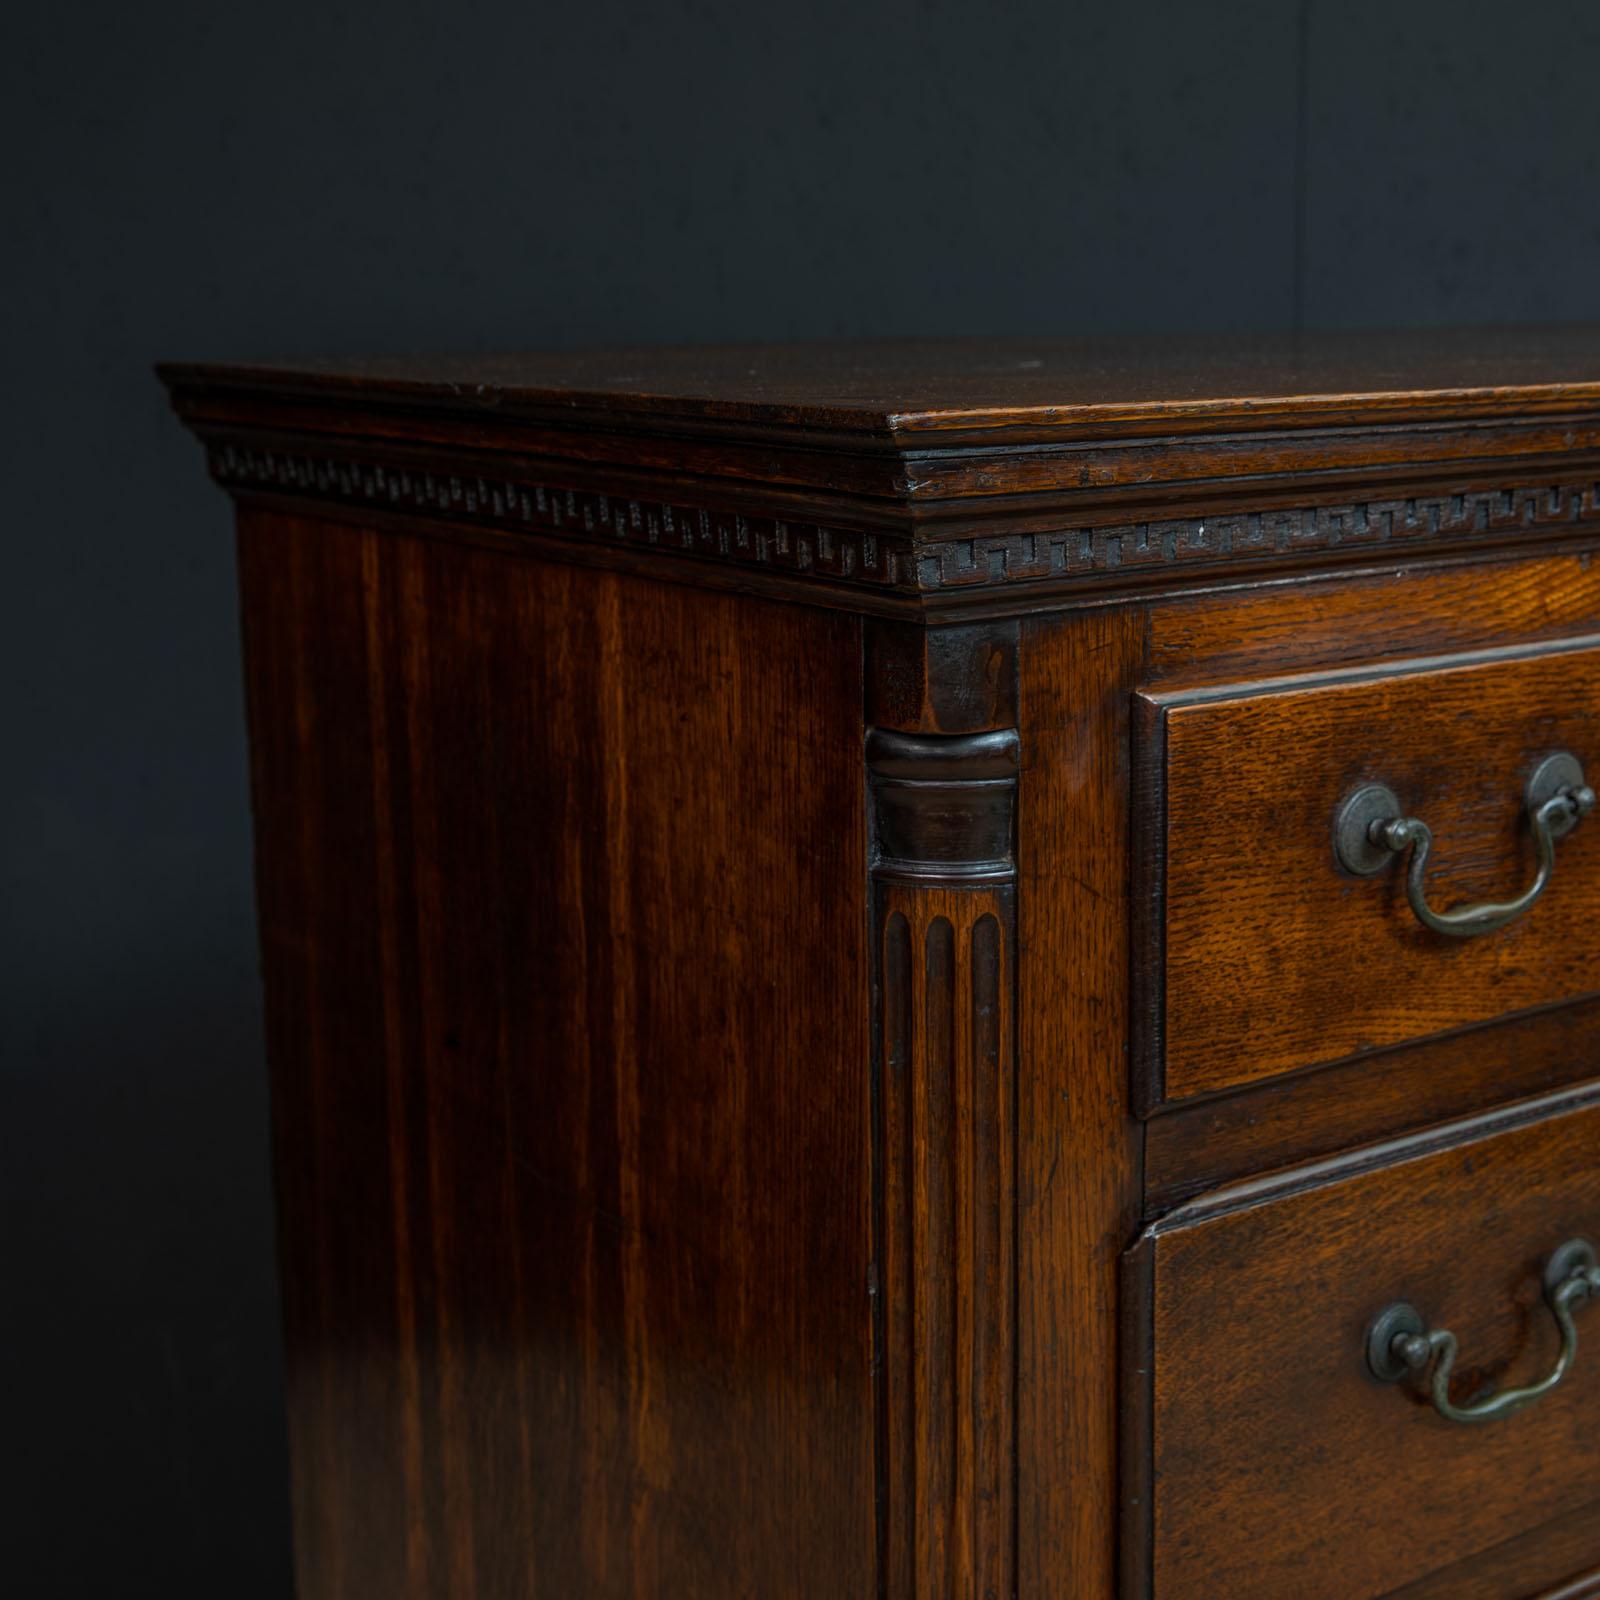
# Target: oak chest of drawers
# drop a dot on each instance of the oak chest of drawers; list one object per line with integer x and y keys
{"x": 932, "y": 970}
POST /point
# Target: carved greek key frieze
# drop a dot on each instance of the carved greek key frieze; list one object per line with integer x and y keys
{"x": 896, "y": 563}
{"x": 1022, "y": 558}
{"x": 859, "y": 559}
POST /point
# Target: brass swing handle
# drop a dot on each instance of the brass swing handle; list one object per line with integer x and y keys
{"x": 1399, "y": 1342}
{"x": 1371, "y": 829}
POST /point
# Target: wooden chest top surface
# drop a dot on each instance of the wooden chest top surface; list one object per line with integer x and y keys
{"x": 904, "y": 388}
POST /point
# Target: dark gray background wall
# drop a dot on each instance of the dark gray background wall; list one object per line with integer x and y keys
{"x": 189, "y": 179}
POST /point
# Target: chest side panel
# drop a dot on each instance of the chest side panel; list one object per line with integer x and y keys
{"x": 564, "y": 918}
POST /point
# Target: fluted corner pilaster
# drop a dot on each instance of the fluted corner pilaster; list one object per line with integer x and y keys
{"x": 943, "y": 819}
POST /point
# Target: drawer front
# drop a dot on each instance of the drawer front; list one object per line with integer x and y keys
{"x": 1266, "y": 1461}
{"x": 1260, "y": 952}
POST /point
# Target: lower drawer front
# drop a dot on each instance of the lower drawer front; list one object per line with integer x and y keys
{"x": 1264, "y": 1458}
{"x": 1558, "y": 1560}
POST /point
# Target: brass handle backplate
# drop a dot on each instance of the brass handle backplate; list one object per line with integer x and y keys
{"x": 1371, "y": 829}
{"x": 1399, "y": 1342}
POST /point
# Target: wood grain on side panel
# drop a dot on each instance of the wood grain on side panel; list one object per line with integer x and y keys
{"x": 564, "y": 915}
{"x": 1077, "y": 1156}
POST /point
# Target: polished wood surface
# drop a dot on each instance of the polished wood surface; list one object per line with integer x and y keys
{"x": 1393, "y": 614}
{"x": 1558, "y": 1560}
{"x": 1078, "y": 1147}
{"x": 566, "y": 977}
{"x": 1240, "y": 878}
{"x": 910, "y": 386}
{"x": 1278, "y": 1465}
{"x": 787, "y": 1080}
{"x": 1196, "y": 1145}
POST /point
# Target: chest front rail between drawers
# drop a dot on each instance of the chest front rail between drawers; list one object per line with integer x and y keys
{"x": 825, "y": 1037}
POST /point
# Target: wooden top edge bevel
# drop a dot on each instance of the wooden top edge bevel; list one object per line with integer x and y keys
{"x": 928, "y": 392}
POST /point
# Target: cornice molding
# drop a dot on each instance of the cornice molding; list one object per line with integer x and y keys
{"x": 1409, "y": 521}
{"x": 871, "y": 561}
{"x": 997, "y": 569}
